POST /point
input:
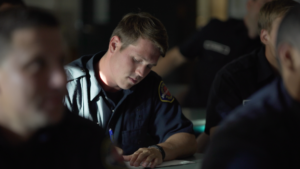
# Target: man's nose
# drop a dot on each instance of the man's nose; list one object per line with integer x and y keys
{"x": 58, "y": 78}
{"x": 141, "y": 71}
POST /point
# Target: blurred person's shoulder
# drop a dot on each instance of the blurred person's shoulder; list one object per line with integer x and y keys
{"x": 267, "y": 124}
{"x": 221, "y": 31}
{"x": 217, "y": 24}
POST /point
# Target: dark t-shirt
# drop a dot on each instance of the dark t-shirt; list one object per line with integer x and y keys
{"x": 235, "y": 83}
{"x": 214, "y": 45}
{"x": 262, "y": 134}
{"x": 73, "y": 143}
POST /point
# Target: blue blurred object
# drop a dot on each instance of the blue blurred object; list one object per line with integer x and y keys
{"x": 199, "y": 129}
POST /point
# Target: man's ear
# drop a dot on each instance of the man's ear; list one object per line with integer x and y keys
{"x": 285, "y": 56}
{"x": 114, "y": 44}
{"x": 264, "y": 36}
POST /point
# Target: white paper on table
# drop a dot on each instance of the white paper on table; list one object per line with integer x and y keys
{"x": 164, "y": 164}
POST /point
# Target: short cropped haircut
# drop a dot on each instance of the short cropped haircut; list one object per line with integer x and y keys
{"x": 273, "y": 10}
{"x": 13, "y": 19}
{"x": 133, "y": 26}
{"x": 289, "y": 29}
{"x": 13, "y": 2}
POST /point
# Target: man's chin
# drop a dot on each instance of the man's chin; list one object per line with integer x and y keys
{"x": 127, "y": 86}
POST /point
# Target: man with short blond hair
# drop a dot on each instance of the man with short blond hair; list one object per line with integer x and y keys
{"x": 117, "y": 90}
{"x": 268, "y": 22}
{"x": 238, "y": 80}
{"x": 130, "y": 31}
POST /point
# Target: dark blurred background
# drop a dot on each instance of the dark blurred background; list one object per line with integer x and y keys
{"x": 88, "y": 24}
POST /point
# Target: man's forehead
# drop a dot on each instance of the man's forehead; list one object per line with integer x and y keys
{"x": 31, "y": 34}
{"x": 29, "y": 37}
{"x": 23, "y": 37}
{"x": 150, "y": 56}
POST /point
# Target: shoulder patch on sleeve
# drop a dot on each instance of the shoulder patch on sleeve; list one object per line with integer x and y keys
{"x": 164, "y": 94}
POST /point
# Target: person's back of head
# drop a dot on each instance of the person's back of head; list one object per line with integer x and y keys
{"x": 288, "y": 31}
{"x": 142, "y": 25}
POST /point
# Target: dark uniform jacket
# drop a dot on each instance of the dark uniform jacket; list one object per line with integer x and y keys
{"x": 147, "y": 110}
{"x": 213, "y": 46}
{"x": 74, "y": 143}
{"x": 235, "y": 83}
{"x": 262, "y": 134}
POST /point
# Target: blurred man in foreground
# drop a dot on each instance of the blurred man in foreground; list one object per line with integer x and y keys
{"x": 35, "y": 130}
{"x": 265, "y": 132}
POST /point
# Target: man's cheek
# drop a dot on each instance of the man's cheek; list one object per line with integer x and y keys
{"x": 34, "y": 94}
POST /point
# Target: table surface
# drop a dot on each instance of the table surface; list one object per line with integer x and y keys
{"x": 197, "y": 158}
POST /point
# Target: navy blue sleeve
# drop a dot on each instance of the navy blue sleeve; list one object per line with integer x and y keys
{"x": 168, "y": 118}
{"x": 193, "y": 47}
{"x": 223, "y": 98}
{"x": 238, "y": 144}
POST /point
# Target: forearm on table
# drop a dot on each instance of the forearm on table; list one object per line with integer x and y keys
{"x": 179, "y": 145}
{"x": 202, "y": 142}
